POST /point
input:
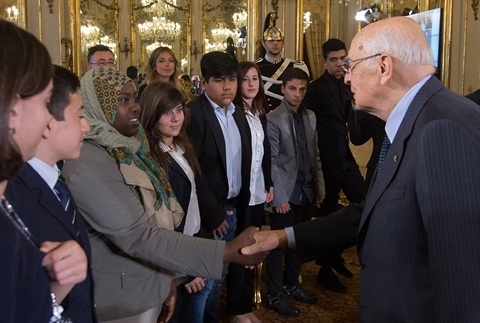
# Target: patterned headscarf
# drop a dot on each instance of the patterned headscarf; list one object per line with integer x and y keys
{"x": 100, "y": 89}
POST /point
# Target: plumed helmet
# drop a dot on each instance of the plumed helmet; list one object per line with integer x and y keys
{"x": 273, "y": 33}
{"x": 270, "y": 32}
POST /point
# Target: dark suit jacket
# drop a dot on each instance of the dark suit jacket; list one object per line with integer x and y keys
{"x": 420, "y": 230}
{"x": 207, "y": 138}
{"x": 475, "y": 96}
{"x": 336, "y": 231}
{"x": 364, "y": 126}
{"x": 332, "y": 112}
{"x": 45, "y": 217}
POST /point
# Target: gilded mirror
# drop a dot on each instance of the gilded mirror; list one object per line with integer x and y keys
{"x": 98, "y": 25}
{"x": 225, "y": 27}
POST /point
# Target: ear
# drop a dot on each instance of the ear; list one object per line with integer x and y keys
{"x": 15, "y": 112}
{"x": 204, "y": 82}
{"x": 324, "y": 61}
{"x": 50, "y": 128}
{"x": 283, "y": 89}
{"x": 386, "y": 68}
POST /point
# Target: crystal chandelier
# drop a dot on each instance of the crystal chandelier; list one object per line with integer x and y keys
{"x": 239, "y": 19}
{"x": 159, "y": 8}
{"x": 218, "y": 40}
{"x": 91, "y": 36}
{"x": 11, "y": 14}
{"x": 306, "y": 21}
{"x": 151, "y": 47}
{"x": 161, "y": 29}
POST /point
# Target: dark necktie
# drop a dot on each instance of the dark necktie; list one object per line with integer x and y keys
{"x": 383, "y": 152}
{"x": 64, "y": 196}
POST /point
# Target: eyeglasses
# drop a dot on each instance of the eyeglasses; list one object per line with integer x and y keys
{"x": 348, "y": 67}
{"x": 103, "y": 62}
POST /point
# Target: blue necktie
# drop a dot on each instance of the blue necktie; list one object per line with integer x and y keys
{"x": 64, "y": 197}
{"x": 383, "y": 152}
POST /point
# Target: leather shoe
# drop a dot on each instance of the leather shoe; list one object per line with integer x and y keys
{"x": 327, "y": 278}
{"x": 281, "y": 304}
{"x": 301, "y": 295}
{"x": 342, "y": 270}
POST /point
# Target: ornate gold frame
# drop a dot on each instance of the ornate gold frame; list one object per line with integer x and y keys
{"x": 253, "y": 23}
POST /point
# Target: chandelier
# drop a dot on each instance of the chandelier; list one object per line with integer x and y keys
{"x": 151, "y": 47}
{"x": 161, "y": 29}
{"x": 159, "y": 8}
{"x": 240, "y": 19}
{"x": 11, "y": 14}
{"x": 91, "y": 36}
{"x": 306, "y": 21}
{"x": 218, "y": 40}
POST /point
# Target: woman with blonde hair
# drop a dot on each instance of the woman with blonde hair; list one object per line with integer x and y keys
{"x": 162, "y": 66}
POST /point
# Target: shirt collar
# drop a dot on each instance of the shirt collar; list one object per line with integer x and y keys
{"x": 230, "y": 107}
{"x": 48, "y": 173}
{"x": 398, "y": 113}
{"x": 272, "y": 60}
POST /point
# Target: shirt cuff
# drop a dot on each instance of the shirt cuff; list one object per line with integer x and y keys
{"x": 292, "y": 244}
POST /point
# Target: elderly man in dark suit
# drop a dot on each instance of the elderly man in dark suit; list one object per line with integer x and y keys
{"x": 36, "y": 192}
{"x": 419, "y": 231}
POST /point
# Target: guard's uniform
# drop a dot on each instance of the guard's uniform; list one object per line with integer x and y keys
{"x": 272, "y": 77}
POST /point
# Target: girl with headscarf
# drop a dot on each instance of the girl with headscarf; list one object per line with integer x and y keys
{"x": 131, "y": 209}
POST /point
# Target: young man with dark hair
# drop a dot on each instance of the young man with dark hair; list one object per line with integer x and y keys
{"x": 329, "y": 97}
{"x": 100, "y": 55}
{"x": 221, "y": 137}
{"x": 298, "y": 180}
{"x": 40, "y": 195}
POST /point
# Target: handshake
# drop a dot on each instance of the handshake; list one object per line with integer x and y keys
{"x": 251, "y": 246}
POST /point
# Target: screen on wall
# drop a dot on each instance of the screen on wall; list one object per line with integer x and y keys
{"x": 431, "y": 23}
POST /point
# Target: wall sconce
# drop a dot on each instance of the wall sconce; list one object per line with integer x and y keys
{"x": 126, "y": 47}
{"x": 194, "y": 51}
{"x": 50, "y": 6}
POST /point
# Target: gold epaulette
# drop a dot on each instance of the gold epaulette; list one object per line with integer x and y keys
{"x": 258, "y": 60}
{"x": 299, "y": 62}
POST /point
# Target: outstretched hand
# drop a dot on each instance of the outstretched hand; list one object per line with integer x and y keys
{"x": 246, "y": 238}
{"x": 265, "y": 241}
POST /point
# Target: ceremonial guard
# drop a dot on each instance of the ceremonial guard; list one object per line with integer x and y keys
{"x": 272, "y": 65}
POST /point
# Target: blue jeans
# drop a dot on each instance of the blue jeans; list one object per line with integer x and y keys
{"x": 206, "y": 303}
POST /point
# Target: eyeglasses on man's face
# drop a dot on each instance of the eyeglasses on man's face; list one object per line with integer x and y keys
{"x": 348, "y": 67}
{"x": 103, "y": 62}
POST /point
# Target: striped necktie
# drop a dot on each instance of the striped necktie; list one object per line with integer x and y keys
{"x": 383, "y": 152}
{"x": 63, "y": 194}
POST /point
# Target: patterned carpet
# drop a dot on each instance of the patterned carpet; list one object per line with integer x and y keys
{"x": 330, "y": 308}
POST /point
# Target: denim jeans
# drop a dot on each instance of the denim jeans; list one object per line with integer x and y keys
{"x": 206, "y": 302}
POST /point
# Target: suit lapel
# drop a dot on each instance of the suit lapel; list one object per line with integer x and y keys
{"x": 46, "y": 198}
{"x": 217, "y": 133}
{"x": 396, "y": 151}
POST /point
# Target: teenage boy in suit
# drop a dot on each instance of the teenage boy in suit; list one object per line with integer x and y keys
{"x": 35, "y": 194}
{"x": 298, "y": 180}
{"x": 220, "y": 135}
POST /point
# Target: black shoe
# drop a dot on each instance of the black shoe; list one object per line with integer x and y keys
{"x": 342, "y": 270}
{"x": 327, "y": 278}
{"x": 281, "y": 304}
{"x": 300, "y": 294}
